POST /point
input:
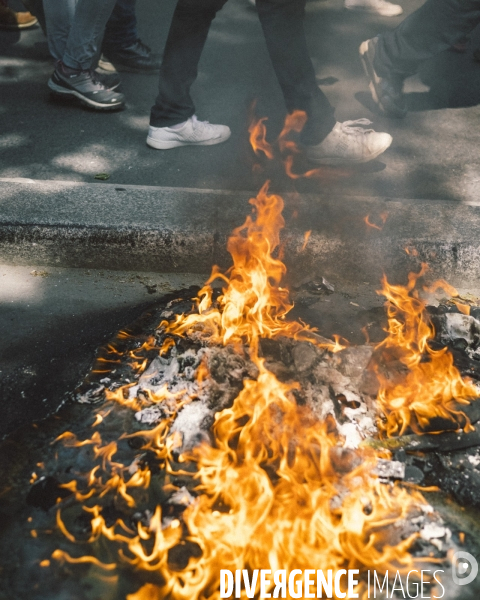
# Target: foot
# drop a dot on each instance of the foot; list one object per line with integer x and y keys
{"x": 347, "y": 144}
{"x": 192, "y": 133}
{"x": 110, "y": 80}
{"x": 379, "y": 7}
{"x": 9, "y": 19}
{"x": 387, "y": 92}
{"x": 86, "y": 86}
{"x": 137, "y": 58}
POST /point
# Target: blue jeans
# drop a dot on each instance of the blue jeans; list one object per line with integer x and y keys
{"x": 75, "y": 29}
{"x": 121, "y": 30}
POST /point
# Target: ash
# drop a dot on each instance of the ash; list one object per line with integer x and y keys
{"x": 335, "y": 386}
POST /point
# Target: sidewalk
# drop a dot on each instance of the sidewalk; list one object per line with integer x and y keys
{"x": 435, "y": 153}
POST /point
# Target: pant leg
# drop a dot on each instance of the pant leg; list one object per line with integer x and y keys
{"x": 186, "y": 39}
{"x": 283, "y": 26}
{"x": 36, "y": 8}
{"x": 59, "y": 15}
{"x": 121, "y": 29}
{"x": 86, "y": 32}
{"x": 434, "y": 27}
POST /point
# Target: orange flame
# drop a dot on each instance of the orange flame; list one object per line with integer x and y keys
{"x": 463, "y": 308}
{"x": 276, "y": 490}
{"x": 306, "y": 237}
{"x": 432, "y": 386}
{"x": 258, "y": 134}
{"x": 289, "y": 496}
{"x": 294, "y": 122}
{"x": 383, "y": 218}
{"x": 254, "y": 304}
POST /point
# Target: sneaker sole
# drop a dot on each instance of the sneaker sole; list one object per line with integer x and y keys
{"x": 21, "y": 26}
{"x": 372, "y": 80}
{"x": 106, "y": 66}
{"x": 168, "y": 145}
{"x": 337, "y": 162}
{"x": 86, "y": 101}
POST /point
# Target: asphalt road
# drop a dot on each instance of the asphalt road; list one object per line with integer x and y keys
{"x": 435, "y": 153}
{"x": 50, "y": 326}
{"x": 51, "y": 323}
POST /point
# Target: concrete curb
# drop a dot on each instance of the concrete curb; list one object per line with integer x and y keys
{"x": 142, "y": 228}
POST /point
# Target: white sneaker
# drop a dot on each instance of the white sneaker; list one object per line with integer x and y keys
{"x": 346, "y": 145}
{"x": 379, "y": 7}
{"x": 193, "y": 133}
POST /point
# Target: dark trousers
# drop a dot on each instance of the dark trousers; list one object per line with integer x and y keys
{"x": 434, "y": 27}
{"x": 282, "y": 24}
{"x": 121, "y": 28}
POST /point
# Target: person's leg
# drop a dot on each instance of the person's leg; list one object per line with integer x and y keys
{"x": 391, "y": 57}
{"x": 59, "y": 16}
{"x": 122, "y": 49}
{"x": 282, "y": 23}
{"x": 434, "y": 27}
{"x": 75, "y": 28}
{"x": 121, "y": 28}
{"x": 86, "y": 32}
{"x": 185, "y": 42}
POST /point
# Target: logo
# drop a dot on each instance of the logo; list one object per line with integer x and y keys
{"x": 464, "y": 568}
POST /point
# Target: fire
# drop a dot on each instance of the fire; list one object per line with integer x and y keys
{"x": 258, "y": 134}
{"x": 254, "y": 304}
{"x": 383, "y": 219}
{"x": 431, "y": 386}
{"x": 288, "y": 149}
{"x": 276, "y": 490}
{"x": 269, "y": 490}
{"x": 306, "y": 237}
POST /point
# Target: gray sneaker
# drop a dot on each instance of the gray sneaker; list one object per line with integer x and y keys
{"x": 87, "y": 87}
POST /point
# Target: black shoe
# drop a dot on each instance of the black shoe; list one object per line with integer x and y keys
{"x": 387, "y": 92}
{"x": 137, "y": 58}
{"x": 86, "y": 86}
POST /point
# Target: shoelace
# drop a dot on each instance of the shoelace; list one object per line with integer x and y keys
{"x": 349, "y": 130}
{"x": 93, "y": 74}
{"x": 95, "y": 78}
